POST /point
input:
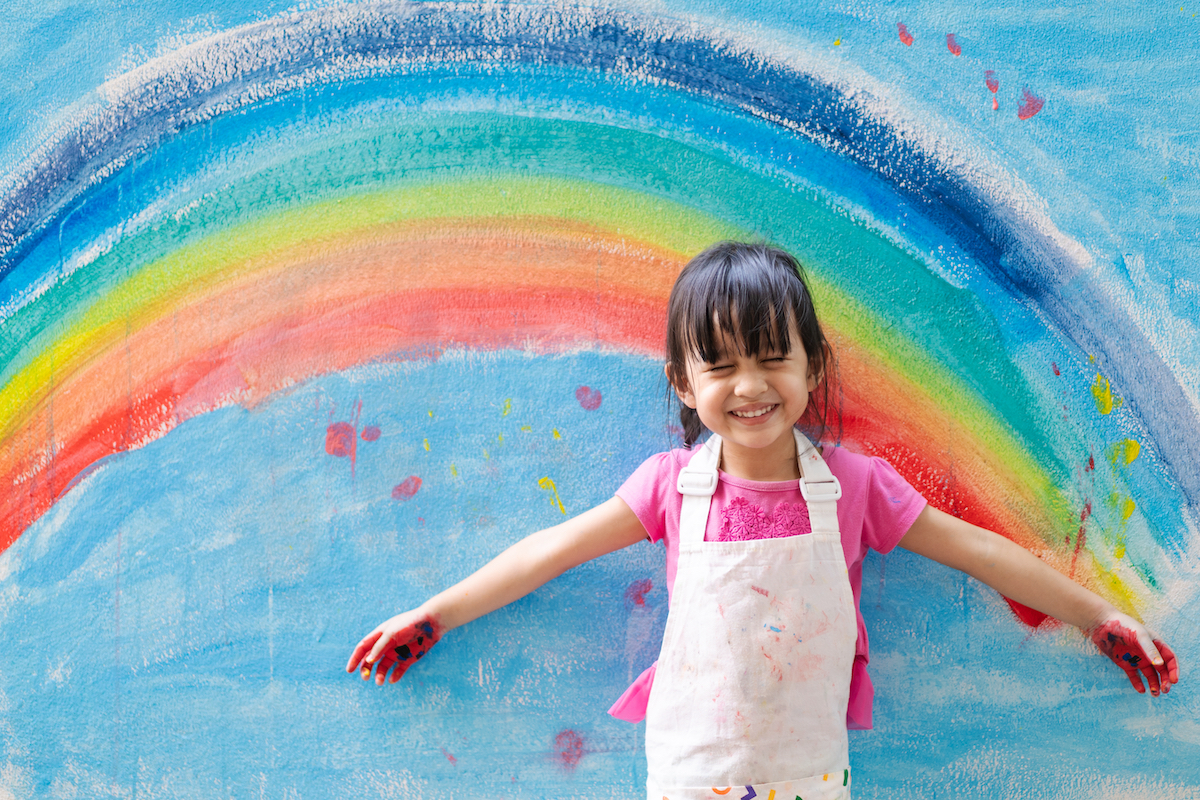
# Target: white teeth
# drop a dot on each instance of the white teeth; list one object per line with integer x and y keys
{"x": 752, "y": 414}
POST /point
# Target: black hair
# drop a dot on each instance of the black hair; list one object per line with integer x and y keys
{"x": 749, "y": 293}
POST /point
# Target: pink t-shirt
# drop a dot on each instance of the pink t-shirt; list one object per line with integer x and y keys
{"x": 876, "y": 509}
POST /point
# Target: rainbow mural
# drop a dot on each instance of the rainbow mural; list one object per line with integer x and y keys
{"x": 306, "y": 318}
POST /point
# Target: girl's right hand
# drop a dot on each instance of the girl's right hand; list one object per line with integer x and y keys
{"x": 1127, "y": 642}
{"x": 395, "y": 645}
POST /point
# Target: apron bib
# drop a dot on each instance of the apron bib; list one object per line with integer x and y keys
{"x": 750, "y": 692}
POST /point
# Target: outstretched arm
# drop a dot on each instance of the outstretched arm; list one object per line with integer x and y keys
{"x": 1018, "y": 574}
{"x": 399, "y": 642}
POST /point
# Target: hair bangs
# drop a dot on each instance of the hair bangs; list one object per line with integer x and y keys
{"x": 740, "y": 307}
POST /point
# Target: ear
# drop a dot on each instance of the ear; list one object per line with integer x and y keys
{"x": 682, "y": 387}
{"x": 814, "y": 378}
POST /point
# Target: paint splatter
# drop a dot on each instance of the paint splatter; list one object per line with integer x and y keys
{"x": 761, "y": 591}
{"x": 989, "y": 77}
{"x": 1091, "y": 465}
{"x": 1124, "y": 452}
{"x": 905, "y": 36}
{"x": 569, "y": 747}
{"x": 1031, "y": 617}
{"x": 1030, "y": 104}
{"x": 339, "y": 439}
{"x": 1054, "y": 366}
{"x": 635, "y": 593}
{"x": 370, "y": 433}
{"x": 407, "y": 488}
{"x": 1123, "y": 504}
{"x": 507, "y": 407}
{"x": 548, "y": 484}
{"x": 588, "y": 398}
{"x": 450, "y": 757}
{"x": 426, "y": 445}
{"x": 952, "y": 45}
{"x": 1102, "y": 393}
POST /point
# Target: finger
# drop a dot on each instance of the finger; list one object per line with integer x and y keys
{"x": 1151, "y": 673}
{"x": 388, "y": 642}
{"x": 357, "y": 656}
{"x": 1135, "y": 678}
{"x": 1147, "y": 644}
{"x": 386, "y": 662}
{"x": 1170, "y": 662}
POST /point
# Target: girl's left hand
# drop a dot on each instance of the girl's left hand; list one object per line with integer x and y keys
{"x": 1127, "y": 642}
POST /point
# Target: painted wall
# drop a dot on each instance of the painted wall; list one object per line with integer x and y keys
{"x": 308, "y": 311}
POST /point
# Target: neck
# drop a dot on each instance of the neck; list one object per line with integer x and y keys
{"x": 776, "y": 462}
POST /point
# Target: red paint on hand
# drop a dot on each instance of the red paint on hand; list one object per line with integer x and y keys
{"x": 339, "y": 439}
{"x": 635, "y": 593}
{"x": 1128, "y": 644}
{"x": 395, "y": 648}
{"x": 569, "y": 746}
{"x": 905, "y": 36}
{"x": 406, "y": 489}
{"x": 588, "y": 398}
{"x": 1030, "y": 104}
{"x": 370, "y": 433}
{"x": 952, "y": 45}
{"x": 989, "y": 77}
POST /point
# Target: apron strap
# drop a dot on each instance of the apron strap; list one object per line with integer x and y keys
{"x": 698, "y": 481}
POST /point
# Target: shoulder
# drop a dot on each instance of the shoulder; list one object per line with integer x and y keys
{"x": 663, "y": 465}
{"x": 864, "y": 474}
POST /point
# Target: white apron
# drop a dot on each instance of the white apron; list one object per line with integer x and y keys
{"x": 750, "y": 693}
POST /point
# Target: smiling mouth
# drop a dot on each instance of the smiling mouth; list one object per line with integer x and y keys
{"x": 753, "y": 414}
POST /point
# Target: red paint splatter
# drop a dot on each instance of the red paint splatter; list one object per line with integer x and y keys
{"x": 1029, "y": 616}
{"x": 905, "y": 36}
{"x": 995, "y": 103}
{"x": 370, "y": 433}
{"x": 952, "y": 45}
{"x": 405, "y": 490}
{"x": 1086, "y": 512}
{"x": 569, "y": 746}
{"x": 339, "y": 439}
{"x": 588, "y": 398}
{"x": 1030, "y": 104}
{"x": 635, "y": 593}
{"x": 1091, "y": 464}
{"x": 989, "y": 77}
{"x": 1054, "y": 366}
{"x": 450, "y": 757}
{"x": 760, "y": 590}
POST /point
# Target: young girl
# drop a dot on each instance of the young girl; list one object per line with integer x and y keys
{"x": 763, "y": 662}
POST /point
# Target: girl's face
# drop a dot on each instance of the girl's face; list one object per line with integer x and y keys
{"x": 752, "y": 400}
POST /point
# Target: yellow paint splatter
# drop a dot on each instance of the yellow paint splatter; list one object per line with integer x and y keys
{"x": 1127, "y": 507}
{"x": 507, "y": 407}
{"x": 1102, "y": 392}
{"x": 485, "y": 453}
{"x": 500, "y": 438}
{"x": 557, "y": 435}
{"x": 426, "y": 445}
{"x": 431, "y": 413}
{"x": 1124, "y": 451}
{"x": 1119, "y": 552}
{"x": 837, "y": 42}
{"x": 546, "y": 483}
{"x": 453, "y": 470}
{"x": 527, "y": 429}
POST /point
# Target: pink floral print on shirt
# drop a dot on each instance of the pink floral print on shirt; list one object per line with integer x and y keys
{"x": 742, "y": 521}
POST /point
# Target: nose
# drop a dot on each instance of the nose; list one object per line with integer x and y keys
{"x": 751, "y": 382}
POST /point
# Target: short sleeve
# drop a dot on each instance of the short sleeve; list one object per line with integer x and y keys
{"x": 644, "y": 492}
{"x": 891, "y": 507}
